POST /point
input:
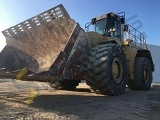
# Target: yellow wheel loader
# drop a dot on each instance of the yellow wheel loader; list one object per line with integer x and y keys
{"x": 52, "y": 47}
{"x": 118, "y": 56}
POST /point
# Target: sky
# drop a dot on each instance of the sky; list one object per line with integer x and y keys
{"x": 141, "y": 14}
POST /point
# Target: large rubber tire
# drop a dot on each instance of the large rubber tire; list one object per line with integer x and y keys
{"x": 65, "y": 84}
{"x": 101, "y": 76}
{"x": 142, "y": 75}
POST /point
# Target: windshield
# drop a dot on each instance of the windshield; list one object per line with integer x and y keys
{"x": 100, "y": 26}
{"x": 103, "y": 27}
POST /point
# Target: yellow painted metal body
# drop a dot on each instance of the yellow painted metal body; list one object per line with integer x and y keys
{"x": 130, "y": 49}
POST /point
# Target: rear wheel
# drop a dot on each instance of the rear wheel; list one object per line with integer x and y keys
{"x": 107, "y": 71}
{"x": 142, "y": 74}
{"x": 65, "y": 84}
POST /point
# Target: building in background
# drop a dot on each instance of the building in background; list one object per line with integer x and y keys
{"x": 155, "y": 52}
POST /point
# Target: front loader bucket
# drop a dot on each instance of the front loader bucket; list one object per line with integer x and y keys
{"x": 36, "y": 42}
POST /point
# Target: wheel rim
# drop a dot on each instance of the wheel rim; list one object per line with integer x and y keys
{"x": 145, "y": 74}
{"x": 117, "y": 70}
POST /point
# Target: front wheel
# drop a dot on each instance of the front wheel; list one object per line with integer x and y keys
{"x": 107, "y": 71}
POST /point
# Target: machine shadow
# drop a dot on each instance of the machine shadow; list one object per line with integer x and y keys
{"x": 74, "y": 105}
{"x": 80, "y": 105}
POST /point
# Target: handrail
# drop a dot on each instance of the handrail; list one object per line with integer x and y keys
{"x": 87, "y": 26}
{"x": 137, "y": 37}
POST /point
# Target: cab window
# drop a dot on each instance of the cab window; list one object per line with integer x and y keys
{"x": 117, "y": 33}
{"x": 100, "y": 26}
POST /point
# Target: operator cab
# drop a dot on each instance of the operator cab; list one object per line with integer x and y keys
{"x": 109, "y": 25}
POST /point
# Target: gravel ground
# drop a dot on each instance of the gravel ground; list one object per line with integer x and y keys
{"x": 36, "y": 101}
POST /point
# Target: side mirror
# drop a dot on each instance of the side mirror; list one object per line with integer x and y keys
{"x": 123, "y": 20}
{"x": 125, "y": 28}
{"x": 93, "y": 21}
